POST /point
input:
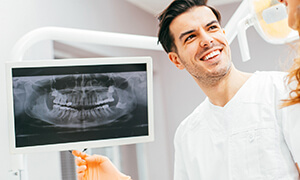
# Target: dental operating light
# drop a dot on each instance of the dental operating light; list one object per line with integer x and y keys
{"x": 269, "y": 18}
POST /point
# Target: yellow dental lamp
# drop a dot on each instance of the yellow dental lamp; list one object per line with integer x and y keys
{"x": 269, "y": 18}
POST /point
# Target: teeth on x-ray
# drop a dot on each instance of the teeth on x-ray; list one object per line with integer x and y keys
{"x": 79, "y": 100}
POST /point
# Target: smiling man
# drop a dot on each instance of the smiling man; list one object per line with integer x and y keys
{"x": 202, "y": 49}
{"x": 237, "y": 132}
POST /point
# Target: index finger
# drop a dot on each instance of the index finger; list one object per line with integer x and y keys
{"x": 79, "y": 154}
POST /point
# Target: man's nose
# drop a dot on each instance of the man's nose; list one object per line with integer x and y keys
{"x": 206, "y": 41}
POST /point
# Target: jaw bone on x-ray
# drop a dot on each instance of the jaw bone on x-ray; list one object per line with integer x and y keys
{"x": 99, "y": 105}
{"x": 83, "y": 100}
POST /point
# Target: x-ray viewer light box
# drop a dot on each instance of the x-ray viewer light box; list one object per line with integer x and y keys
{"x": 56, "y": 105}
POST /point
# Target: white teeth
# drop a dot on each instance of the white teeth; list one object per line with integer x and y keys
{"x": 212, "y": 54}
{"x": 75, "y": 99}
{"x": 105, "y": 101}
{"x": 106, "y": 106}
{"x": 93, "y": 114}
{"x": 111, "y": 89}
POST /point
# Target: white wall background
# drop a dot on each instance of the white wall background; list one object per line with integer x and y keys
{"x": 175, "y": 92}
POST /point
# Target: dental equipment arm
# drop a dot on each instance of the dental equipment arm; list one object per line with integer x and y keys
{"x": 83, "y": 36}
{"x": 232, "y": 25}
{"x": 237, "y": 26}
{"x": 269, "y": 18}
{"x": 96, "y": 167}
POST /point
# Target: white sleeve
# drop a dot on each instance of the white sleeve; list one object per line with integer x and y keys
{"x": 180, "y": 172}
{"x": 291, "y": 130}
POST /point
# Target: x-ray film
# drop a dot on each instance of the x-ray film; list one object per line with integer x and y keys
{"x": 80, "y": 103}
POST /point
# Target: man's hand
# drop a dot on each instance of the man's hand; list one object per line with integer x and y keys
{"x": 96, "y": 167}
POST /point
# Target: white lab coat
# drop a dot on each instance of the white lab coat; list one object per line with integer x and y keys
{"x": 243, "y": 140}
{"x": 291, "y": 130}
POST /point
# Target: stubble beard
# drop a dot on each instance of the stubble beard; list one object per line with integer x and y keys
{"x": 207, "y": 79}
{"x": 212, "y": 79}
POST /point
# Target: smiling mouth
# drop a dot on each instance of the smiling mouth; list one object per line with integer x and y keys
{"x": 211, "y": 55}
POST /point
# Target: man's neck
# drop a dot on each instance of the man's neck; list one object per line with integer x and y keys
{"x": 224, "y": 90}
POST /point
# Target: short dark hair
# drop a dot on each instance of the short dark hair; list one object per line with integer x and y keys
{"x": 176, "y": 8}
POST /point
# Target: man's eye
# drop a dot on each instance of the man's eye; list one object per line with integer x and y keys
{"x": 213, "y": 27}
{"x": 189, "y": 38}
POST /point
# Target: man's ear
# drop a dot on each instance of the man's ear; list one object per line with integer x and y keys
{"x": 176, "y": 60}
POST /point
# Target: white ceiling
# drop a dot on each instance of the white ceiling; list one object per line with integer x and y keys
{"x": 156, "y": 6}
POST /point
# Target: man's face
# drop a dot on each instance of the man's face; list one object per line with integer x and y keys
{"x": 202, "y": 48}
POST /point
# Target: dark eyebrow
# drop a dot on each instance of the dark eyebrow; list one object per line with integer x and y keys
{"x": 185, "y": 33}
{"x": 212, "y": 22}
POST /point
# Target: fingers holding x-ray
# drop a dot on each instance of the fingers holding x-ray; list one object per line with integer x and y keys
{"x": 81, "y": 100}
